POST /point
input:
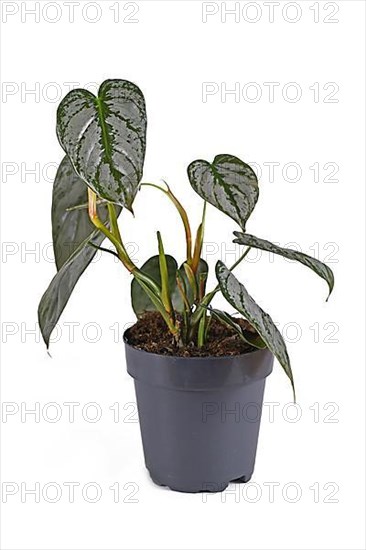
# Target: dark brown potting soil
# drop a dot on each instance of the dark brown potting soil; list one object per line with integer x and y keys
{"x": 151, "y": 334}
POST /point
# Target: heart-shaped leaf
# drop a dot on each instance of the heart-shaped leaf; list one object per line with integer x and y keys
{"x": 251, "y": 338}
{"x": 105, "y": 138}
{"x": 237, "y": 296}
{"x": 318, "y": 267}
{"x": 228, "y": 183}
{"x": 141, "y": 303}
{"x": 72, "y": 233}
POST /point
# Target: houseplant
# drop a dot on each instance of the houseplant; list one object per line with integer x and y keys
{"x": 186, "y": 356}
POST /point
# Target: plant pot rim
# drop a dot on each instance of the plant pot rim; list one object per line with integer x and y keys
{"x": 197, "y": 373}
{"x": 192, "y": 357}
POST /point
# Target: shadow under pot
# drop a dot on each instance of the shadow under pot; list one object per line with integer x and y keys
{"x": 199, "y": 416}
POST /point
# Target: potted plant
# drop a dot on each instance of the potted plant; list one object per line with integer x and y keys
{"x": 190, "y": 361}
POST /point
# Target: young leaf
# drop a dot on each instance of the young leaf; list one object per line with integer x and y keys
{"x": 249, "y": 337}
{"x": 202, "y": 281}
{"x": 158, "y": 304}
{"x": 164, "y": 277}
{"x": 191, "y": 280}
{"x": 181, "y": 291}
{"x": 176, "y": 297}
{"x": 197, "y": 248}
{"x": 105, "y": 138}
{"x": 318, "y": 267}
{"x": 228, "y": 183}
{"x": 237, "y": 296}
{"x": 141, "y": 302}
{"x": 199, "y": 241}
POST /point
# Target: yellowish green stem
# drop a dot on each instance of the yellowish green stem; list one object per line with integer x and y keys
{"x": 182, "y": 213}
{"x": 115, "y": 239}
{"x": 201, "y": 331}
{"x": 202, "y": 306}
{"x": 148, "y": 284}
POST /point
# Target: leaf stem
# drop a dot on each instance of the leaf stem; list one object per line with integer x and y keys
{"x": 241, "y": 258}
{"x": 113, "y": 220}
{"x": 199, "y": 241}
{"x": 146, "y": 282}
{"x": 85, "y": 205}
{"x": 96, "y": 221}
{"x": 201, "y": 308}
{"x": 102, "y": 249}
{"x": 159, "y": 306}
{"x": 182, "y": 212}
{"x": 201, "y": 331}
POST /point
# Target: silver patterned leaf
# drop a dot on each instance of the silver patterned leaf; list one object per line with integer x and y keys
{"x": 227, "y": 183}
{"x": 71, "y": 225}
{"x": 237, "y": 296}
{"x": 57, "y": 295}
{"x": 251, "y": 338}
{"x": 105, "y": 138}
{"x": 318, "y": 267}
{"x": 73, "y": 235}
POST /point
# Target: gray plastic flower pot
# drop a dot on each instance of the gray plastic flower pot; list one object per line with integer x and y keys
{"x": 199, "y": 416}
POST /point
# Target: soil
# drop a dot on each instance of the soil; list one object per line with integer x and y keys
{"x": 151, "y": 334}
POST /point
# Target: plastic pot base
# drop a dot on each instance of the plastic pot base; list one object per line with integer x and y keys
{"x": 208, "y": 487}
{"x": 199, "y": 416}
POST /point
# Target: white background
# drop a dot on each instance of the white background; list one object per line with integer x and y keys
{"x": 170, "y": 53}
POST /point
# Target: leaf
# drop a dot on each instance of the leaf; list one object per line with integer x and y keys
{"x": 192, "y": 281}
{"x": 72, "y": 233}
{"x": 70, "y": 228}
{"x": 318, "y": 267}
{"x": 237, "y": 296}
{"x": 202, "y": 270}
{"x": 228, "y": 183}
{"x": 249, "y": 337}
{"x": 105, "y": 138}
{"x": 164, "y": 276}
{"x": 141, "y": 302}
{"x": 59, "y": 291}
